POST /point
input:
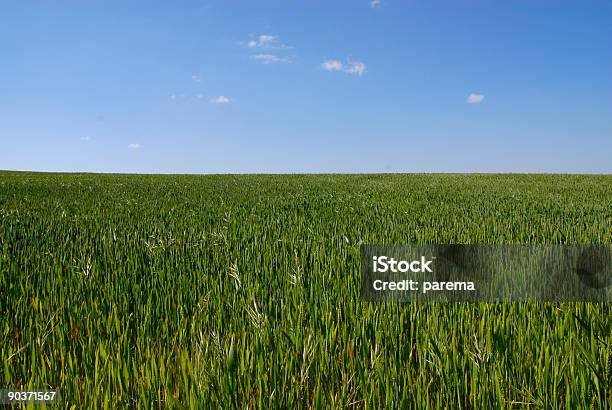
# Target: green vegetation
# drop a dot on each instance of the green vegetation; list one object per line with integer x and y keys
{"x": 244, "y": 291}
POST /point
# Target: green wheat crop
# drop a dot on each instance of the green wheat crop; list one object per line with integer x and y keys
{"x": 244, "y": 291}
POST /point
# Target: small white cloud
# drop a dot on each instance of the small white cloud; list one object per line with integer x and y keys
{"x": 134, "y": 146}
{"x": 351, "y": 67}
{"x": 199, "y": 96}
{"x": 266, "y": 41}
{"x": 220, "y": 99}
{"x": 196, "y": 78}
{"x": 332, "y": 65}
{"x": 356, "y": 67}
{"x": 475, "y": 98}
{"x": 85, "y": 138}
{"x": 270, "y": 58}
{"x": 375, "y": 3}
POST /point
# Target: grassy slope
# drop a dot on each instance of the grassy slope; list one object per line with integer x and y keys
{"x": 245, "y": 290}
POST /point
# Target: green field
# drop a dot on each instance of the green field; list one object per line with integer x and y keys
{"x": 244, "y": 291}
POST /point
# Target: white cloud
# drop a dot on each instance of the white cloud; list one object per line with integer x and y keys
{"x": 199, "y": 96}
{"x": 196, "y": 78}
{"x": 85, "y": 138}
{"x": 266, "y": 41}
{"x": 351, "y": 67}
{"x": 134, "y": 146}
{"x": 356, "y": 67}
{"x": 221, "y": 99}
{"x": 475, "y": 98}
{"x": 375, "y": 3}
{"x": 332, "y": 65}
{"x": 270, "y": 58}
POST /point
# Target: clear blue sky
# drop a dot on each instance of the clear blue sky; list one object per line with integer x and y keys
{"x": 315, "y": 86}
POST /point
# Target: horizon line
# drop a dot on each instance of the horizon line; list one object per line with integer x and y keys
{"x": 308, "y": 173}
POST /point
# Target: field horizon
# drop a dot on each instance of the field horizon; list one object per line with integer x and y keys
{"x": 7, "y": 171}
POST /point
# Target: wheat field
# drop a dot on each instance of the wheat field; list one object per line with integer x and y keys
{"x": 243, "y": 291}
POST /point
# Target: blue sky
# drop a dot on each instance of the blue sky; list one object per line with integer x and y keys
{"x": 316, "y": 86}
